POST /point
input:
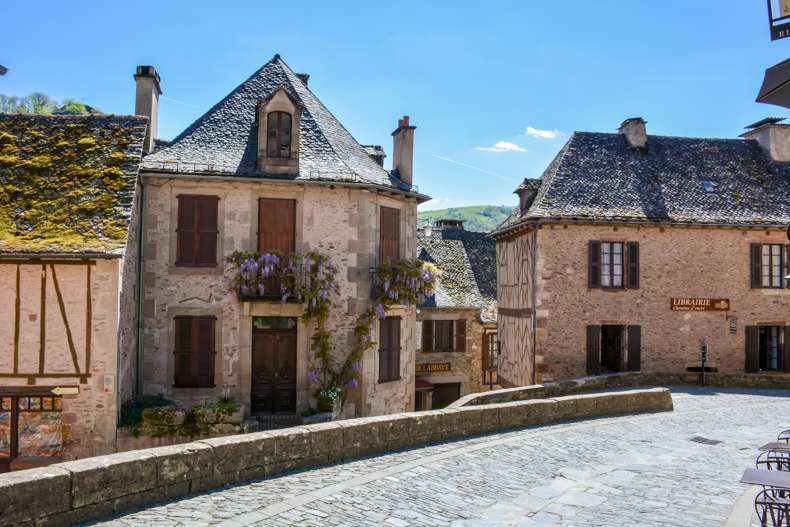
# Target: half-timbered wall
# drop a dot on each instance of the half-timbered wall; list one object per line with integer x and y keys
{"x": 60, "y": 329}
{"x": 515, "y": 258}
{"x": 340, "y": 222}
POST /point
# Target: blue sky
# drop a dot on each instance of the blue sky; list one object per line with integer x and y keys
{"x": 494, "y": 88}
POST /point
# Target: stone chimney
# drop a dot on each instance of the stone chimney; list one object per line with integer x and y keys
{"x": 403, "y": 150}
{"x": 304, "y": 77}
{"x": 450, "y": 224}
{"x": 772, "y": 136}
{"x": 634, "y": 130}
{"x": 147, "y": 102}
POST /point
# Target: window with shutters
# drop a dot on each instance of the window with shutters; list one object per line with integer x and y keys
{"x": 197, "y": 231}
{"x": 389, "y": 349}
{"x": 277, "y": 225}
{"x": 389, "y": 235}
{"x": 278, "y": 117}
{"x": 443, "y": 335}
{"x": 613, "y": 265}
{"x": 769, "y": 265}
{"x": 767, "y": 348}
{"x": 195, "y": 352}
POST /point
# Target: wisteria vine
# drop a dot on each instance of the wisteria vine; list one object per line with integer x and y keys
{"x": 406, "y": 282}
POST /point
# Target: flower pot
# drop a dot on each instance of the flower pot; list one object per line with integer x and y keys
{"x": 325, "y": 404}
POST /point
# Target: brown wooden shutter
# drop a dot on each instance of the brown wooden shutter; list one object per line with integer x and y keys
{"x": 593, "y": 350}
{"x": 460, "y": 335}
{"x": 427, "y": 335}
{"x": 389, "y": 235}
{"x": 277, "y": 225}
{"x": 633, "y": 265}
{"x": 594, "y": 267}
{"x": 634, "y": 348}
{"x": 203, "y": 365}
{"x": 786, "y": 268}
{"x": 757, "y": 266}
{"x": 389, "y": 349}
{"x": 752, "y": 348}
{"x": 207, "y": 230}
{"x": 186, "y": 229}
{"x": 486, "y": 355}
{"x": 182, "y": 356}
{"x": 786, "y": 350}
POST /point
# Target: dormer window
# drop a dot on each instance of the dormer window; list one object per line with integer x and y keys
{"x": 278, "y": 116}
{"x": 278, "y": 143}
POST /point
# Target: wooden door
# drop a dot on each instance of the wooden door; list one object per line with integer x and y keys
{"x": 273, "y": 372}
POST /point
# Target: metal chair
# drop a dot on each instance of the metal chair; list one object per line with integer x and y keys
{"x": 773, "y": 460}
{"x": 771, "y": 510}
{"x": 784, "y": 436}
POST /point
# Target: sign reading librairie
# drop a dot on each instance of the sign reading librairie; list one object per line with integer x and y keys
{"x": 433, "y": 367}
{"x": 700, "y": 304}
{"x": 779, "y": 18}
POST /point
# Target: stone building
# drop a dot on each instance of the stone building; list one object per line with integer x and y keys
{"x": 67, "y": 189}
{"x": 631, "y": 251}
{"x": 457, "y": 332}
{"x": 269, "y": 167}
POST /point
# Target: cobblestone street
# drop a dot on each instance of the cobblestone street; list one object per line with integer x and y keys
{"x": 675, "y": 468}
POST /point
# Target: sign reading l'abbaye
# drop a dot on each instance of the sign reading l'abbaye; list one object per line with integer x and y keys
{"x": 420, "y": 368}
{"x": 700, "y": 304}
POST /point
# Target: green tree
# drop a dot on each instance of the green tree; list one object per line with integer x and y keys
{"x": 72, "y": 107}
{"x": 40, "y": 103}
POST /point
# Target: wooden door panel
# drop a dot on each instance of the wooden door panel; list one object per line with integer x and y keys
{"x": 273, "y": 372}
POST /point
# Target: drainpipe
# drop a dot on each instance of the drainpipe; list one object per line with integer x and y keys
{"x": 140, "y": 267}
{"x": 535, "y": 304}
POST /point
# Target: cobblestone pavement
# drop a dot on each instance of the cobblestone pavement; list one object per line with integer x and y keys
{"x": 675, "y": 468}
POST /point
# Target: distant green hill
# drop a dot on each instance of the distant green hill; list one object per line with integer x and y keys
{"x": 483, "y": 218}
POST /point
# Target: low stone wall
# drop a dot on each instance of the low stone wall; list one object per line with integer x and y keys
{"x": 625, "y": 380}
{"x": 78, "y": 491}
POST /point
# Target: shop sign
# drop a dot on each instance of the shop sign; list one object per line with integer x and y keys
{"x": 66, "y": 390}
{"x": 700, "y": 304}
{"x": 422, "y": 368}
{"x": 779, "y": 18}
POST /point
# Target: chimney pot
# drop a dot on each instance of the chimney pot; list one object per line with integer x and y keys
{"x": 773, "y": 137}
{"x": 147, "y": 102}
{"x": 403, "y": 150}
{"x": 304, "y": 77}
{"x": 635, "y": 132}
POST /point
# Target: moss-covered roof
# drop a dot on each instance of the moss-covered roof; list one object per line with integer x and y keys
{"x": 67, "y": 182}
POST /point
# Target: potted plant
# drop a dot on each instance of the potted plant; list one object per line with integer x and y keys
{"x": 327, "y": 398}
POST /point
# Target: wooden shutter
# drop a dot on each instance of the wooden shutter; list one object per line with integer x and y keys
{"x": 756, "y": 265}
{"x": 203, "y": 363}
{"x": 594, "y": 267}
{"x": 634, "y": 348}
{"x": 277, "y": 225}
{"x": 786, "y": 350}
{"x": 786, "y": 268}
{"x": 486, "y": 355}
{"x": 186, "y": 229}
{"x": 752, "y": 348}
{"x": 633, "y": 265}
{"x": 182, "y": 369}
{"x": 593, "y": 350}
{"x": 389, "y": 235}
{"x": 427, "y": 335}
{"x": 389, "y": 349}
{"x": 207, "y": 230}
{"x": 460, "y": 335}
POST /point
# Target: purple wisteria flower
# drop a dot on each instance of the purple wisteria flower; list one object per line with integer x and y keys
{"x": 312, "y": 377}
{"x": 353, "y": 384}
{"x": 379, "y": 309}
{"x": 356, "y": 367}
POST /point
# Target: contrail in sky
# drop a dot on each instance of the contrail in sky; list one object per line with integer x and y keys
{"x": 179, "y": 102}
{"x": 475, "y": 168}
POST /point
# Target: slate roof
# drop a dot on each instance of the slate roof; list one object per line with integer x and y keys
{"x": 67, "y": 182}
{"x": 225, "y": 139}
{"x": 467, "y": 260}
{"x": 597, "y": 177}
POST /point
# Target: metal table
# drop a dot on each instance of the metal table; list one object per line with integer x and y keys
{"x": 767, "y": 478}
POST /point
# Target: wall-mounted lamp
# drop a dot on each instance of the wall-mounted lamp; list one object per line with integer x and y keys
{"x": 428, "y": 229}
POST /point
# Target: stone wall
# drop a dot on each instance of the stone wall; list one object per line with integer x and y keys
{"x": 82, "y": 490}
{"x": 338, "y": 221}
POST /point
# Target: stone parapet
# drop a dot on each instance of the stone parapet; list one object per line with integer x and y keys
{"x": 82, "y": 490}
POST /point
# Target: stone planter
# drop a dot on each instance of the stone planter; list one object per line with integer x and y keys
{"x": 222, "y": 414}
{"x": 158, "y": 417}
{"x": 325, "y": 404}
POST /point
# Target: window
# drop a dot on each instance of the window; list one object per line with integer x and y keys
{"x": 767, "y": 348}
{"x": 443, "y": 335}
{"x": 197, "y": 231}
{"x": 389, "y": 349}
{"x": 768, "y": 265}
{"x": 389, "y": 235}
{"x": 194, "y": 351}
{"x": 613, "y": 265}
{"x": 278, "y": 135}
{"x": 30, "y": 427}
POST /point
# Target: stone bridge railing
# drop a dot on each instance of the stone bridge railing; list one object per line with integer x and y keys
{"x": 78, "y": 491}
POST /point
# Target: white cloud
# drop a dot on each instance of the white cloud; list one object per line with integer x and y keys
{"x": 543, "y": 134}
{"x": 502, "y": 146}
{"x": 433, "y": 201}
